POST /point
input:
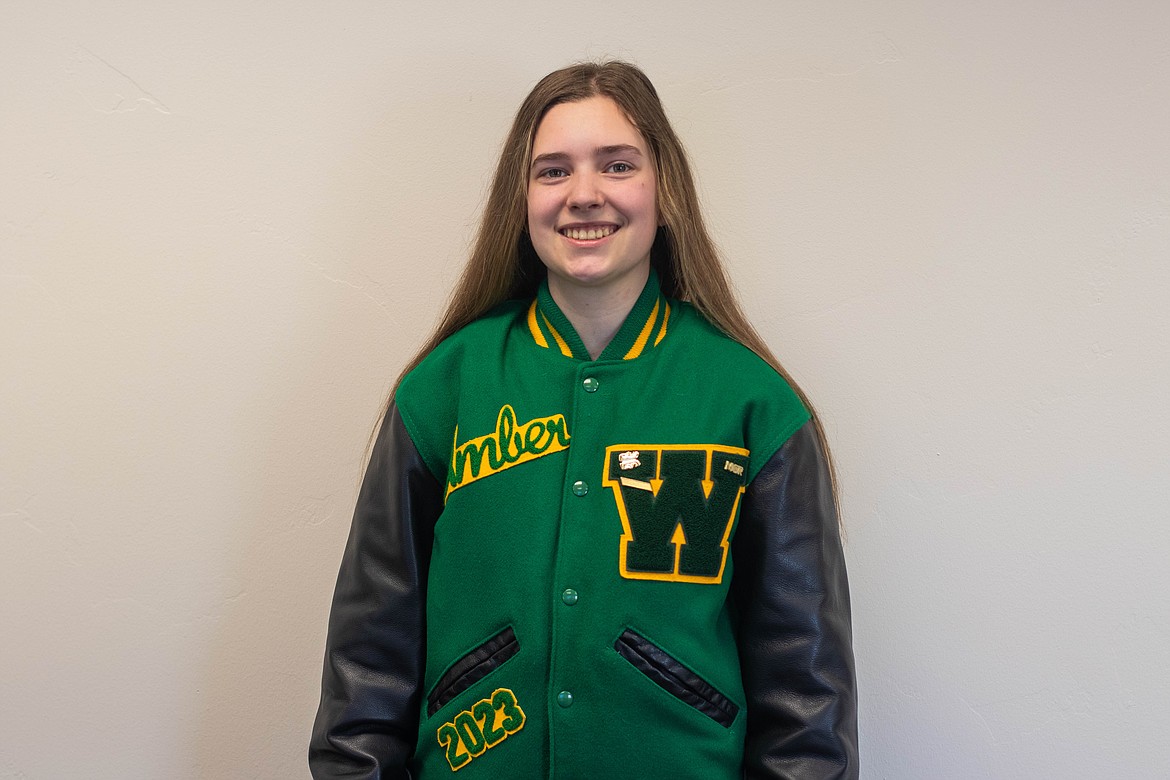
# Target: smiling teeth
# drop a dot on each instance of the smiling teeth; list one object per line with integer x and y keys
{"x": 590, "y": 233}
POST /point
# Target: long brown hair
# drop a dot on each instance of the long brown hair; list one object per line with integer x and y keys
{"x": 503, "y": 264}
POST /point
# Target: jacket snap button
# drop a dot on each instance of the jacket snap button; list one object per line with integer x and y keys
{"x": 580, "y": 488}
{"x": 569, "y": 596}
{"x": 565, "y": 699}
{"x": 591, "y": 385}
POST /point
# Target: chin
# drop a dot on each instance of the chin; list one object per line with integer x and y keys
{"x": 582, "y": 275}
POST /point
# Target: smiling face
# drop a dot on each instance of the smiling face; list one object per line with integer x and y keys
{"x": 592, "y": 208}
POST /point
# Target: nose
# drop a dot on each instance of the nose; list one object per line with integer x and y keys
{"x": 585, "y": 192}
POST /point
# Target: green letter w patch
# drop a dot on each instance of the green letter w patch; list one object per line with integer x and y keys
{"x": 677, "y": 504}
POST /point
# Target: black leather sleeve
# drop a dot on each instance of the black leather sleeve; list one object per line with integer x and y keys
{"x": 791, "y": 596}
{"x": 367, "y": 722}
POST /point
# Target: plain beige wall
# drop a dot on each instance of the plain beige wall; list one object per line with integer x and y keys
{"x": 224, "y": 226}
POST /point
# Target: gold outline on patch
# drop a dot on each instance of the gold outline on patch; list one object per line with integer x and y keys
{"x": 496, "y": 725}
{"x": 628, "y": 535}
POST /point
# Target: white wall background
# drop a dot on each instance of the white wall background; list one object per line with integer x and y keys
{"x": 224, "y": 226}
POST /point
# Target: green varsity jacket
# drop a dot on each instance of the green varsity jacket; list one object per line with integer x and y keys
{"x": 550, "y": 574}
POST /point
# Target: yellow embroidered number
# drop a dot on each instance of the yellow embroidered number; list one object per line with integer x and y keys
{"x": 489, "y": 721}
{"x": 449, "y": 740}
{"x": 485, "y": 713}
{"x": 513, "y": 715}
{"x": 470, "y": 733}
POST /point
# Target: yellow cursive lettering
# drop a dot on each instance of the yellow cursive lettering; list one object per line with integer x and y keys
{"x": 509, "y": 445}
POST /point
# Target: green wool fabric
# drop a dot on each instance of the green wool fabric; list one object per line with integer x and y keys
{"x": 585, "y": 498}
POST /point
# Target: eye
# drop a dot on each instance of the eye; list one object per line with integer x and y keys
{"x": 620, "y": 167}
{"x": 552, "y": 173}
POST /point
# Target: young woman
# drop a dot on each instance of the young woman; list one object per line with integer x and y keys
{"x": 597, "y": 536}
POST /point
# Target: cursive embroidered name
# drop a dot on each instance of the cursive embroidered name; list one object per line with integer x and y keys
{"x": 509, "y": 445}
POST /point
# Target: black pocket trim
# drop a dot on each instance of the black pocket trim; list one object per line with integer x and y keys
{"x": 472, "y": 667}
{"x": 676, "y": 679}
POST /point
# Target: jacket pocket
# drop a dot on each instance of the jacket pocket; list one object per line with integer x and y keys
{"x": 676, "y": 679}
{"x": 471, "y": 668}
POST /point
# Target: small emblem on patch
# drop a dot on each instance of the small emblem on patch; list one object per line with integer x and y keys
{"x": 488, "y": 723}
{"x": 629, "y": 460}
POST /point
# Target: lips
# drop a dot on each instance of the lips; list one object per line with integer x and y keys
{"x": 588, "y": 232}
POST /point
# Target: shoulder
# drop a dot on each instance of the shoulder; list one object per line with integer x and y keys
{"x": 482, "y": 336}
{"x": 722, "y": 358}
{"x": 737, "y": 377}
{"x": 706, "y": 341}
{"x": 428, "y": 397}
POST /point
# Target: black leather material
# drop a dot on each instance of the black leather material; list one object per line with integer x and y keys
{"x": 367, "y": 722}
{"x": 791, "y": 598}
{"x": 676, "y": 679}
{"x": 473, "y": 667}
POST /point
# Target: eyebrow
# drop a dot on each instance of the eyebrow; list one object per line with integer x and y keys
{"x": 601, "y": 151}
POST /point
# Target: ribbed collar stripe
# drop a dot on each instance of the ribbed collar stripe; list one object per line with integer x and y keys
{"x": 534, "y": 327}
{"x": 644, "y": 336}
{"x": 662, "y": 330}
{"x": 538, "y": 334}
{"x": 649, "y": 317}
{"x": 560, "y": 341}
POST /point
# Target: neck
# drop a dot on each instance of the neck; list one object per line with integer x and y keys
{"x": 597, "y": 313}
